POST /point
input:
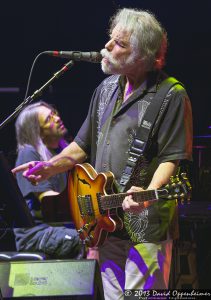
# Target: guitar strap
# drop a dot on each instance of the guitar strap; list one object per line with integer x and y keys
{"x": 148, "y": 127}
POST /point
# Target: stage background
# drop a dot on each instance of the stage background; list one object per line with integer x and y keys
{"x": 28, "y": 28}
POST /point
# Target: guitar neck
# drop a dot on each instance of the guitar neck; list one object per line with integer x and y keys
{"x": 115, "y": 200}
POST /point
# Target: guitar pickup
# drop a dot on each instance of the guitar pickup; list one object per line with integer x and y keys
{"x": 85, "y": 205}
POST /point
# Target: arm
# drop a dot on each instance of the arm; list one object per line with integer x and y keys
{"x": 36, "y": 171}
{"x": 162, "y": 174}
{"x": 67, "y": 159}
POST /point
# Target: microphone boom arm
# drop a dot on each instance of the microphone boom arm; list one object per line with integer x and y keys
{"x": 37, "y": 93}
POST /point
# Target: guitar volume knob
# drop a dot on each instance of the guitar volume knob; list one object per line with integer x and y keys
{"x": 80, "y": 230}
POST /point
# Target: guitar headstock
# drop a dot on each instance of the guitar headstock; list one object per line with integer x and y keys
{"x": 178, "y": 187}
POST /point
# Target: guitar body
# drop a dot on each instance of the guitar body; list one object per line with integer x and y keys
{"x": 84, "y": 187}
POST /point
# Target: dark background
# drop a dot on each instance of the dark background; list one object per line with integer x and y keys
{"x": 30, "y": 27}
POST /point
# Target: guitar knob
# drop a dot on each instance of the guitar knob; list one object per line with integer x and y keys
{"x": 86, "y": 226}
{"x": 80, "y": 230}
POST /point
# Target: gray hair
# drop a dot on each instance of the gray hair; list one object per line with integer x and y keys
{"x": 148, "y": 37}
{"x": 28, "y": 129}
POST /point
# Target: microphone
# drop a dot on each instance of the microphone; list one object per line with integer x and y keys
{"x": 94, "y": 57}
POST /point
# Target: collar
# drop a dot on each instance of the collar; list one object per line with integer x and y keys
{"x": 151, "y": 85}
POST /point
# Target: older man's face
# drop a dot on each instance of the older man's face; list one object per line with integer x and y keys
{"x": 119, "y": 57}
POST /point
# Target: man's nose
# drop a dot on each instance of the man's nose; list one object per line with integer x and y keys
{"x": 57, "y": 118}
{"x": 109, "y": 45}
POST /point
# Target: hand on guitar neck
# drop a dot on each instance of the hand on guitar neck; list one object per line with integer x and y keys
{"x": 135, "y": 207}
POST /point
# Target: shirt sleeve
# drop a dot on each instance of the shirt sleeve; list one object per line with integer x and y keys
{"x": 25, "y": 155}
{"x": 86, "y": 137}
{"x": 176, "y": 133}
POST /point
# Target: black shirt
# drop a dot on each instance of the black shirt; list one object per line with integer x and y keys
{"x": 110, "y": 128}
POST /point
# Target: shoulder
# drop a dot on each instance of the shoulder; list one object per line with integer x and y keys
{"x": 174, "y": 86}
{"x": 26, "y": 154}
{"x": 27, "y": 149}
{"x": 173, "y": 90}
{"x": 179, "y": 95}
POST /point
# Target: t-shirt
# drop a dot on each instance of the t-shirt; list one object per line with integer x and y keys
{"x": 56, "y": 183}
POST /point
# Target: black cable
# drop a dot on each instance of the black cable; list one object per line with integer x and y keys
{"x": 30, "y": 74}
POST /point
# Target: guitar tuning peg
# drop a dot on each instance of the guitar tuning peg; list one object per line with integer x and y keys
{"x": 177, "y": 179}
{"x": 187, "y": 182}
{"x": 184, "y": 176}
{"x": 167, "y": 186}
{"x": 172, "y": 179}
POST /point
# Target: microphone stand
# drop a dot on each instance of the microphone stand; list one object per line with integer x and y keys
{"x": 37, "y": 93}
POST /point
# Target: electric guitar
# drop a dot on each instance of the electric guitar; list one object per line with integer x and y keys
{"x": 94, "y": 206}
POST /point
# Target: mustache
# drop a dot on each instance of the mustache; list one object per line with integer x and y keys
{"x": 105, "y": 53}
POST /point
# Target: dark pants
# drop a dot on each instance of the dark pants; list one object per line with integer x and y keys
{"x": 57, "y": 242}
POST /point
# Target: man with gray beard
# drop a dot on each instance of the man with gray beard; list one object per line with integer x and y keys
{"x": 139, "y": 255}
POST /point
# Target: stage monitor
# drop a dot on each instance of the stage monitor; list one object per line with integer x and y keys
{"x": 51, "y": 279}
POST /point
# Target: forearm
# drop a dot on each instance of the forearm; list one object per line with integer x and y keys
{"x": 162, "y": 174}
{"x": 67, "y": 159}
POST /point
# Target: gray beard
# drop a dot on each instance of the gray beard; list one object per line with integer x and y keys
{"x": 114, "y": 67}
{"x": 106, "y": 69}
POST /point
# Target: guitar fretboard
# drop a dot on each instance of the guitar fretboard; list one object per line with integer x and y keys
{"x": 115, "y": 200}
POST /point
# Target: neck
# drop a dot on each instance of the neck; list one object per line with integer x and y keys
{"x": 132, "y": 84}
{"x": 51, "y": 144}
